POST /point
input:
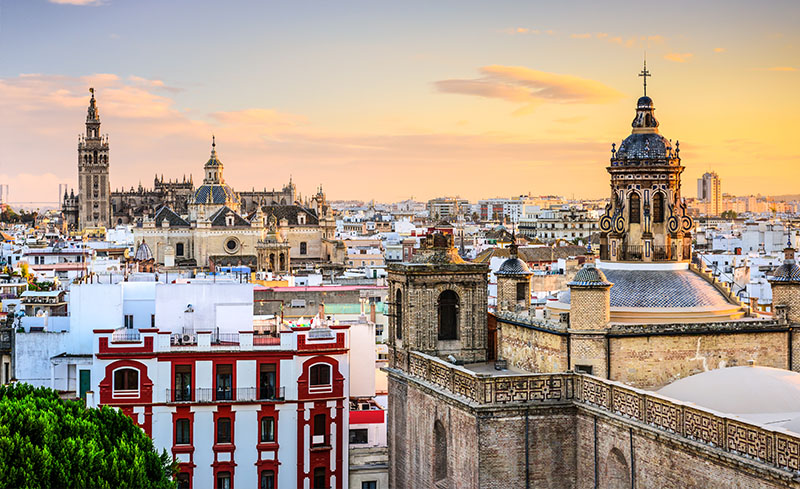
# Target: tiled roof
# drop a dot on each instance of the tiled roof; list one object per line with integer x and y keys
{"x": 659, "y": 288}
{"x": 290, "y": 213}
{"x": 788, "y": 272}
{"x": 533, "y": 253}
{"x": 589, "y": 276}
{"x": 220, "y": 194}
{"x": 172, "y": 218}
{"x": 514, "y": 266}
{"x": 218, "y": 219}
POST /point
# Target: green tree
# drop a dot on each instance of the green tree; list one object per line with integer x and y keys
{"x": 46, "y": 441}
{"x": 728, "y": 215}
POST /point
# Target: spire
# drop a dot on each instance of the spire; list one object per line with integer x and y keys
{"x": 93, "y": 115}
{"x": 514, "y": 247}
{"x": 644, "y": 74}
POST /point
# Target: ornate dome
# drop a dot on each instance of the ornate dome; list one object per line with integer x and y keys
{"x": 589, "y": 276}
{"x": 645, "y": 143}
{"x": 143, "y": 253}
{"x": 645, "y": 147}
{"x": 788, "y": 272}
{"x": 215, "y": 193}
{"x": 514, "y": 266}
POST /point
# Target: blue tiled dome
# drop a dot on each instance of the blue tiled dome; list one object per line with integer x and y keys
{"x": 514, "y": 266}
{"x": 589, "y": 276}
{"x": 219, "y": 194}
{"x": 788, "y": 272}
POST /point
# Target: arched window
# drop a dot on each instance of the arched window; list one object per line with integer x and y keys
{"x": 126, "y": 382}
{"x": 635, "y": 208}
{"x": 319, "y": 378}
{"x": 448, "y": 315}
{"x": 439, "y": 452}
{"x": 398, "y": 315}
{"x": 658, "y": 207}
{"x": 283, "y": 262}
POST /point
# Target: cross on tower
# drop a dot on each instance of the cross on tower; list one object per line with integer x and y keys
{"x": 644, "y": 74}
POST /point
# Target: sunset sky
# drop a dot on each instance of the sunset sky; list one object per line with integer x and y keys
{"x": 393, "y": 100}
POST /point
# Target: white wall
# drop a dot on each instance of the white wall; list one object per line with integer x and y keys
{"x": 227, "y": 306}
{"x": 362, "y": 360}
{"x": 139, "y": 299}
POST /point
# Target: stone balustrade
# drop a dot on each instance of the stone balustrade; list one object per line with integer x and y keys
{"x": 773, "y": 446}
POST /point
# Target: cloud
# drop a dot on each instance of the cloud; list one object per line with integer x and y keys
{"x": 83, "y": 3}
{"x": 678, "y": 57}
{"x": 719, "y": 50}
{"x": 523, "y": 30}
{"x": 581, "y": 36}
{"x": 782, "y": 68}
{"x": 628, "y": 43}
{"x": 530, "y": 87}
{"x": 258, "y": 117}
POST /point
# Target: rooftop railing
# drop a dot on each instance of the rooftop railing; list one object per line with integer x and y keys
{"x": 729, "y": 433}
{"x": 239, "y": 394}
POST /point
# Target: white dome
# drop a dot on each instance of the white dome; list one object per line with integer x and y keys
{"x": 741, "y": 390}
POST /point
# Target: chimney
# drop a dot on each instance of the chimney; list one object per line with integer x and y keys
{"x": 372, "y": 312}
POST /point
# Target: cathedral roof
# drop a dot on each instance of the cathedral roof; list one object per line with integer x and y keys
{"x": 219, "y": 218}
{"x": 680, "y": 288}
{"x": 290, "y": 213}
{"x": 171, "y": 217}
{"x": 214, "y": 193}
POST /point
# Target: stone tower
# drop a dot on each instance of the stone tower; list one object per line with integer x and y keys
{"x": 94, "y": 187}
{"x": 70, "y": 209}
{"x": 514, "y": 284}
{"x": 439, "y": 304}
{"x": 646, "y": 218}
{"x": 590, "y": 313}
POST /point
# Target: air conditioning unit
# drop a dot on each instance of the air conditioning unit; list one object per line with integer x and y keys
{"x": 188, "y": 339}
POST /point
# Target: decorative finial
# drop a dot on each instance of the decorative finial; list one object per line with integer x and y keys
{"x": 677, "y": 147}
{"x": 644, "y": 74}
{"x": 613, "y": 149}
{"x": 91, "y": 90}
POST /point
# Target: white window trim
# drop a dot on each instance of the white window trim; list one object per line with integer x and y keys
{"x": 129, "y": 393}
{"x": 316, "y": 389}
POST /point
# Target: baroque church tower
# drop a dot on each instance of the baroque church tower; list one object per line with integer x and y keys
{"x": 646, "y": 218}
{"x": 94, "y": 188}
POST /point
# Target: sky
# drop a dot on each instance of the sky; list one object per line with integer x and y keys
{"x": 397, "y": 100}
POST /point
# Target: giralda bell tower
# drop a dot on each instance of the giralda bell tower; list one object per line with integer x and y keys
{"x": 94, "y": 188}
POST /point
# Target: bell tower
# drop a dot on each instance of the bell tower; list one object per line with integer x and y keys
{"x": 645, "y": 219}
{"x": 94, "y": 187}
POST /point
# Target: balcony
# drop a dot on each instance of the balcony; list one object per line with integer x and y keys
{"x": 209, "y": 395}
{"x": 663, "y": 253}
{"x": 125, "y": 334}
{"x": 632, "y": 252}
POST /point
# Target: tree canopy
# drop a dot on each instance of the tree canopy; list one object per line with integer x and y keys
{"x": 48, "y": 442}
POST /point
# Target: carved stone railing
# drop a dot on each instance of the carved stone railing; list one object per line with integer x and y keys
{"x": 491, "y": 389}
{"x": 773, "y": 446}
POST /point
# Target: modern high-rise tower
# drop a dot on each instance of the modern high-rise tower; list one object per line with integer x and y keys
{"x": 94, "y": 188}
{"x": 709, "y": 190}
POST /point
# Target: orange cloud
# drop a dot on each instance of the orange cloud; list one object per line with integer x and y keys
{"x": 78, "y": 2}
{"x": 719, "y": 50}
{"x": 782, "y": 68}
{"x": 258, "y": 117}
{"x": 530, "y": 87}
{"x": 678, "y": 57}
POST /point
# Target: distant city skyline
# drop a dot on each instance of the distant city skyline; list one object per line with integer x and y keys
{"x": 452, "y": 98}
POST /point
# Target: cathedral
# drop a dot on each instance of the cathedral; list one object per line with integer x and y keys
{"x": 568, "y": 400}
{"x": 210, "y": 225}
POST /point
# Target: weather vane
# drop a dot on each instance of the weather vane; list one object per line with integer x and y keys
{"x": 644, "y": 74}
